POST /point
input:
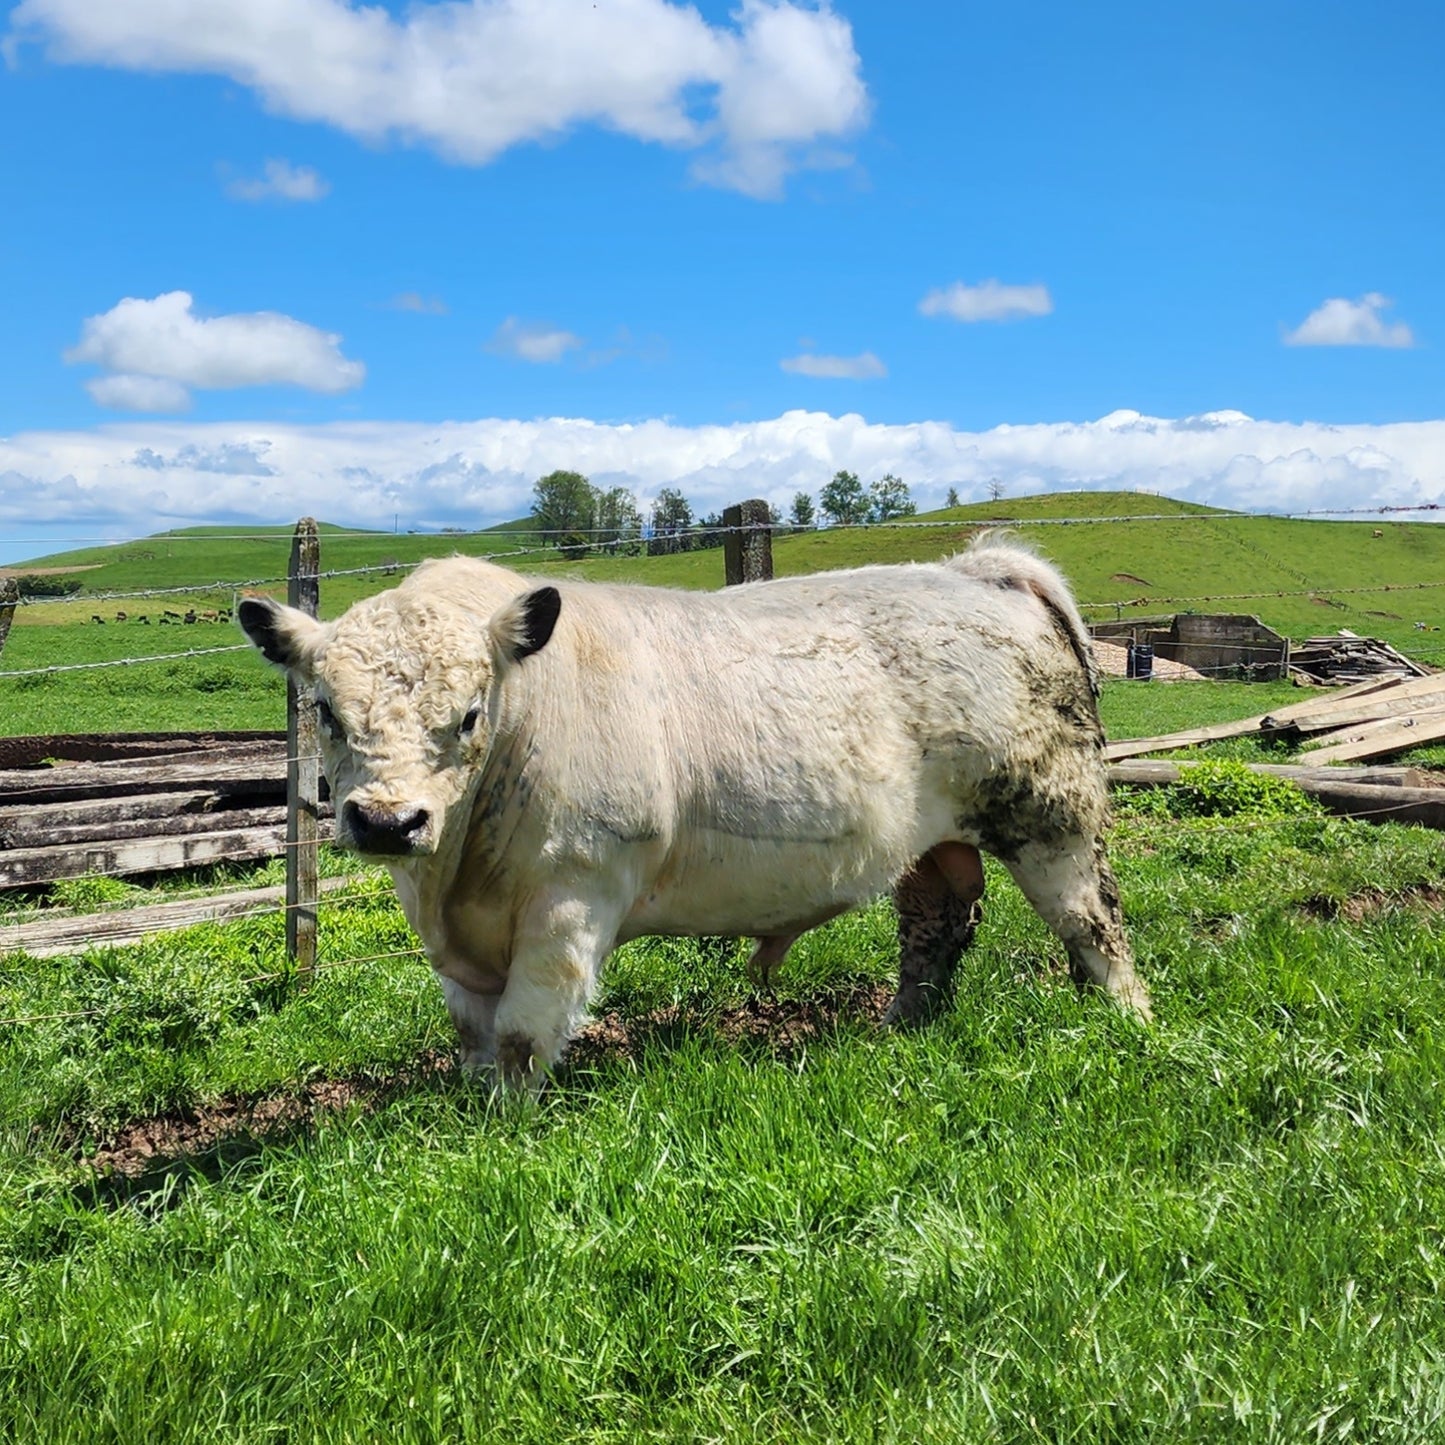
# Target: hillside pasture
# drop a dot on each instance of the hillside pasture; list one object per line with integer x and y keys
{"x": 235, "y": 1208}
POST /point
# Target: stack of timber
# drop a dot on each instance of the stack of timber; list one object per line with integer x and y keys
{"x": 1347, "y": 658}
{"x": 150, "y": 803}
{"x": 1369, "y": 720}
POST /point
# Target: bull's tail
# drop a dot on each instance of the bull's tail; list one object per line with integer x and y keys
{"x": 1001, "y": 560}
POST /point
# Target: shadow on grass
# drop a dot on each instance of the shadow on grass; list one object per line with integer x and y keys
{"x": 153, "y": 1159}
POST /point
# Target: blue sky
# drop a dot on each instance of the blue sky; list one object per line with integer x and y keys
{"x": 433, "y": 251}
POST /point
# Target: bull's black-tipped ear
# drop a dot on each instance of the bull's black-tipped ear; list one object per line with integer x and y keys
{"x": 281, "y": 634}
{"x": 525, "y": 625}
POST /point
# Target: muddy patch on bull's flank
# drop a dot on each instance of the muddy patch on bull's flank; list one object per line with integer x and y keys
{"x": 146, "y": 1149}
{"x": 1423, "y": 898}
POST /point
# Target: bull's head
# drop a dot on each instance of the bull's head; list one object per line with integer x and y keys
{"x": 408, "y": 693}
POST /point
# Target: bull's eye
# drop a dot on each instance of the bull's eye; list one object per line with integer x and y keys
{"x": 327, "y": 718}
{"x": 470, "y": 721}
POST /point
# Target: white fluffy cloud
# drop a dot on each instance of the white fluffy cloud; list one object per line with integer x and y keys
{"x": 528, "y": 341}
{"x": 863, "y": 367}
{"x": 1339, "y": 322}
{"x": 988, "y": 301}
{"x": 775, "y": 89}
{"x": 156, "y": 350}
{"x": 279, "y": 181}
{"x": 129, "y": 478}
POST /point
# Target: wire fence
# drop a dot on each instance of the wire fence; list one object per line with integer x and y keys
{"x": 599, "y": 543}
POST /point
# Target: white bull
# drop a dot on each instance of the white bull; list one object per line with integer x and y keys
{"x": 549, "y": 771}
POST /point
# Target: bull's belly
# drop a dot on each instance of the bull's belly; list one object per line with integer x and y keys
{"x": 761, "y": 887}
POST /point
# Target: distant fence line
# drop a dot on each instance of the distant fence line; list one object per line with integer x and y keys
{"x": 747, "y": 557}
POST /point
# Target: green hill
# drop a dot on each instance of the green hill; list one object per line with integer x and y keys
{"x": 1126, "y": 553}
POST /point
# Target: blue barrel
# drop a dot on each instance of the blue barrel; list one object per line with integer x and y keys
{"x": 1143, "y": 661}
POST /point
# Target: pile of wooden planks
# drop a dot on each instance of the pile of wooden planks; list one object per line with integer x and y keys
{"x": 71, "y": 807}
{"x": 1369, "y": 720}
{"x": 1347, "y": 658}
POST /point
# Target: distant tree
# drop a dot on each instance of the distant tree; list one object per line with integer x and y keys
{"x": 888, "y": 498}
{"x": 843, "y": 500}
{"x": 952, "y": 499}
{"x": 619, "y": 523}
{"x": 996, "y": 489}
{"x": 709, "y": 532}
{"x": 802, "y": 514}
{"x": 564, "y": 506}
{"x": 671, "y": 524}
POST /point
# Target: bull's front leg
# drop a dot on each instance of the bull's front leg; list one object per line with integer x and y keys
{"x": 474, "y": 1016}
{"x": 556, "y": 957}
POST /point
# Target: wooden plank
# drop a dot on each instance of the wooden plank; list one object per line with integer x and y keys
{"x": 1369, "y": 803}
{"x": 1328, "y": 697}
{"x": 246, "y": 771}
{"x": 1394, "y": 737}
{"x": 24, "y": 867}
{"x": 37, "y": 750}
{"x": 21, "y": 819}
{"x": 1137, "y": 747}
{"x": 47, "y": 937}
{"x": 1123, "y": 748}
{"x": 1370, "y": 709}
{"x": 17, "y": 834}
{"x": 1154, "y": 773}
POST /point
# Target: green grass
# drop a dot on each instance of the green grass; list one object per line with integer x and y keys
{"x": 1036, "y": 1221}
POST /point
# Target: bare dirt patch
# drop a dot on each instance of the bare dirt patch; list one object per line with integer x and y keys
{"x": 47, "y": 571}
{"x": 780, "y": 1027}
{"x": 1371, "y": 902}
{"x": 1130, "y": 577}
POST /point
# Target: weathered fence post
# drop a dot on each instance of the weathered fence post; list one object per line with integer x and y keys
{"x": 303, "y": 767}
{"x": 9, "y": 596}
{"x": 748, "y": 542}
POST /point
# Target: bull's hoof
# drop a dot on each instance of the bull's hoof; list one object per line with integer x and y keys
{"x": 519, "y": 1070}
{"x": 915, "y": 1006}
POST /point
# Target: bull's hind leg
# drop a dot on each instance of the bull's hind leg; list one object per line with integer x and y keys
{"x": 939, "y": 906}
{"x": 1072, "y": 887}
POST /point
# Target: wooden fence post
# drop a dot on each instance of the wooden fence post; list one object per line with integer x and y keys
{"x": 303, "y": 767}
{"x": 9, "y": 596}
{"x": 748, "y": 544}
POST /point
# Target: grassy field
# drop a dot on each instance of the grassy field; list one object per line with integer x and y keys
{"x": 234, "y": 1209}
{"x": 735, "y": 1219}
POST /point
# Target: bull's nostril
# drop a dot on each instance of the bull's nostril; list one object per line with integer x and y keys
{"x": 411, "y": 822}
{"x": 381, "y": 830}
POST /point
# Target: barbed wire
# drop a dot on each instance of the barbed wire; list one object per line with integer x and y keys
{"x": 126, "y": 661}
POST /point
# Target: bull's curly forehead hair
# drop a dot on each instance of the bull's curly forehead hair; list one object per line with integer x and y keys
{"x": 407, "y": 654}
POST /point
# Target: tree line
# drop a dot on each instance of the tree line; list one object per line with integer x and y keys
{"x": 577, "y": 517}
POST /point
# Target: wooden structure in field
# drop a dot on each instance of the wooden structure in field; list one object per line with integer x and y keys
{"x": 128, "y": 805}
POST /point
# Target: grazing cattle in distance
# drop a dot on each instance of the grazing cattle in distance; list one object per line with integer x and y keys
{"x": 549, "y": 771}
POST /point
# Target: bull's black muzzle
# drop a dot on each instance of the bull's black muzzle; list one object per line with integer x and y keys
{"x": 382, "y": 830}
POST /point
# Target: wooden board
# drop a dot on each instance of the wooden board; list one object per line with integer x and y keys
{"x": 1137, "y": 747}
{"x": 1351, "y": 706}
{"x": 16, "y": 833}
{"x": 47, "y": 937}
{"x": 1154, "y": 773}
{"x": 247, "y": 770}
{"x": 1367, "y": 710}
{"x": 1367, "y": 802}
{"x": 1393, "y": 735}
{"x": 22, "y": 867}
